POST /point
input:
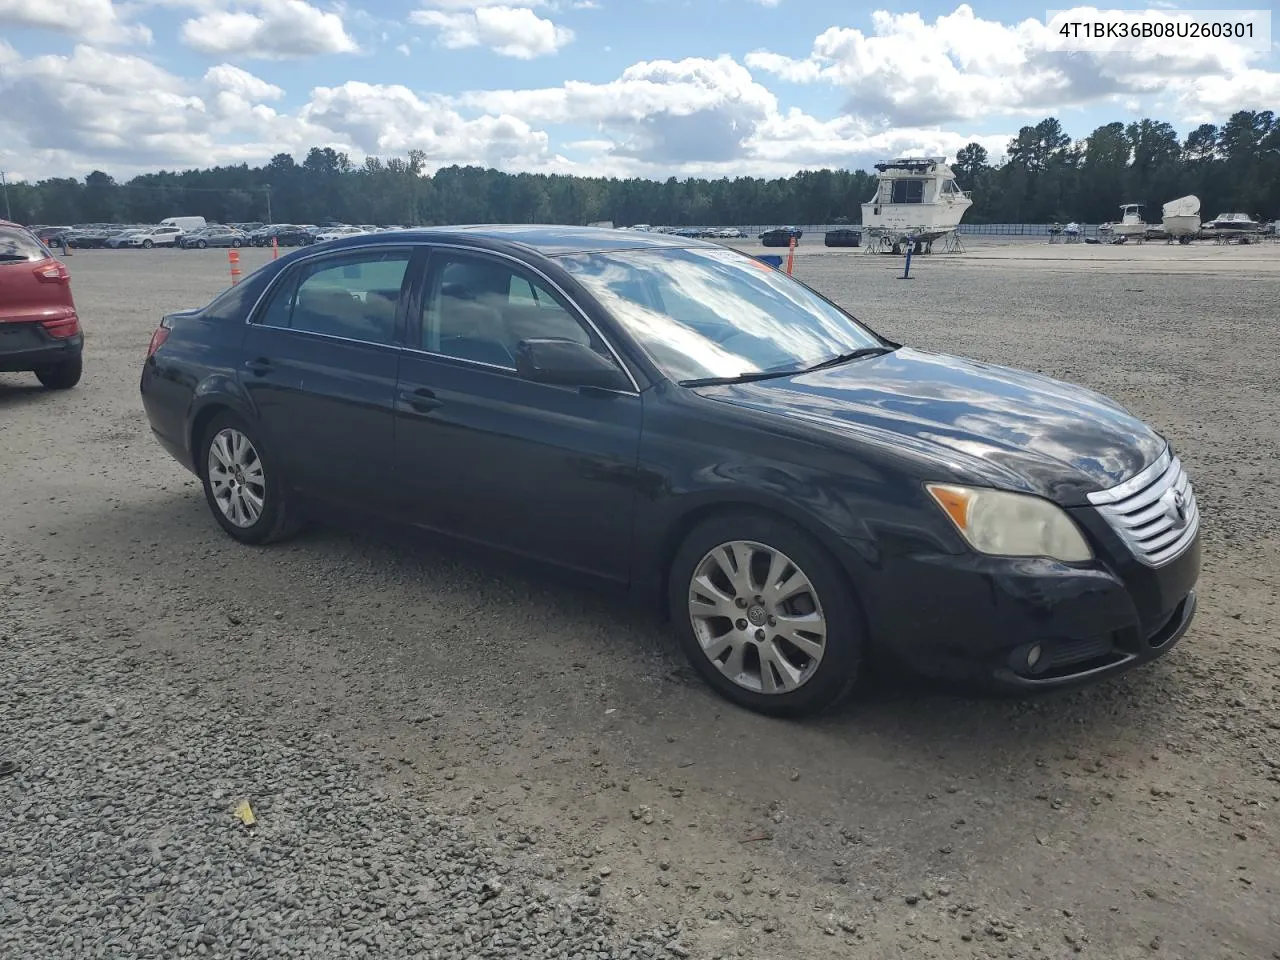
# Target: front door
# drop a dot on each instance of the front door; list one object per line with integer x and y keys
{"x": 320, "y": 363}
{"x": 547, "y": 471}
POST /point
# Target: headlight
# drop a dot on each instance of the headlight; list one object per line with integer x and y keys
{"x": 1011, "y": 524}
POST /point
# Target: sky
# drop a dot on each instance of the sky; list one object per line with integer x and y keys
{"x": 651, "y": 88}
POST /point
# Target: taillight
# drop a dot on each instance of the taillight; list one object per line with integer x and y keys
{"x": 55, "y": 272}
{"x": 157, "y": 339}
{"x": 62, "y": 328}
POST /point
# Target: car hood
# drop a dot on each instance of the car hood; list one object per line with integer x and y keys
{"x": 986, "y": 423}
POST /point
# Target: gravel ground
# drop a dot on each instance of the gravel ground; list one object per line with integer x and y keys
{"x": 456, "y": 758}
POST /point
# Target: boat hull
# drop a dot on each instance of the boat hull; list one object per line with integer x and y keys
{"x": 1183, "y": 225}
{"x": 923, "y": 220}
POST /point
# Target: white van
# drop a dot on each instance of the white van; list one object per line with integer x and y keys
{"x": 185, "y": 224}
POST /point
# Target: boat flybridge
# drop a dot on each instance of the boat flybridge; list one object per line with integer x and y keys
{"x": 916, "y": 197}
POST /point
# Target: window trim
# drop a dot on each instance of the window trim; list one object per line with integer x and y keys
{"x": 575, "y": 310}
{"x": 292, "y": 274}
{"x": 420, "y": 253}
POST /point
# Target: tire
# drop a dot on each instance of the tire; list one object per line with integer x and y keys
{"x": 235, "y": 243}
{"x": 278, "y": 516}
{"x": 147, "y": 244}
{"x": 820, "y": 683}
{"x": 60, "y": 376}
{"x": 202, "y": 244}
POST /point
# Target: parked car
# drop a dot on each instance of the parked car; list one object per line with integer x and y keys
{"x": 121, "y": 238}
{"x": 337, "y": 233}
{"x": 215, "y": 236}
{"x": 843, "y": 237}
{"x": 39, "y": 327}
{"x": 148, "y": 237}
{"x": 780, "y": 236}
{"x": 185, "y": 224}
{"x": 285, "y": 236}
{"x": 799, "y": 493}
{"x": 83, "y": 239}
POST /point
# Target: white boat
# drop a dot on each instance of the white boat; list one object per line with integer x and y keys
{"x": 915, "y": 197}
{"x": 1131, "y": 223}
{"x": 1181, "y": 218}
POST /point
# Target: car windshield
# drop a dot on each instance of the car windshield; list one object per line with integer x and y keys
{"x": 703, "y": 313}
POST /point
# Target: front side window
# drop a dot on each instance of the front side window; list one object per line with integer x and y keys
{"x": 354, "y": 297}
{"x": 480, "y": 309}
{"x": 702, "y": 313}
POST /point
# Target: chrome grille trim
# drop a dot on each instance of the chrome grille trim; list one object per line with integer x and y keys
{"x": 1140, "y": 511}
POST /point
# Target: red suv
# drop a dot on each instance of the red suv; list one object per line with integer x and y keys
{"x": 39, "y": 328}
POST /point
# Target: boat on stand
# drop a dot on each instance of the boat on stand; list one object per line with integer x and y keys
{"x": 916, "y": 201}
{"x": 1130, "y": 226}
{"x": 1180, "y": 219}
{"x": 1239, "y": 227}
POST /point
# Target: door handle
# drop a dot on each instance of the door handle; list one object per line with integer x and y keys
{"x": 259, "y": 366}
{"x": 422, "y": 399}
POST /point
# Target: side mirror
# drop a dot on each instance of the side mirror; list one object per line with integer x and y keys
{"x": 567, "y": 363}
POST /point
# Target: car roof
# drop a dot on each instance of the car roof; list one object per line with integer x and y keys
{"x": 548, "y": 239}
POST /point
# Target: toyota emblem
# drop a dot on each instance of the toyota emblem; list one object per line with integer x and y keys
{"x": 1177, "y": 508}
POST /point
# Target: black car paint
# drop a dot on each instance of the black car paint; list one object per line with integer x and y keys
{"x": 842, "y": 452}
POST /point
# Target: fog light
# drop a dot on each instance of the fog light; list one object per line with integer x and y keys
{"x": 1033, "y": 657}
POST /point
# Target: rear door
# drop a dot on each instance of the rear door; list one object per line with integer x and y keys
{"x": 319, "y": 362}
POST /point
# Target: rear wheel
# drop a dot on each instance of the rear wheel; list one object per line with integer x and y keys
{"x": 244, "y": 488}
{"x": 765, "y": 615}
{"x": 235, "y": 243}
{"x": 202, "y": 244}
{"x": 60, "y": 376}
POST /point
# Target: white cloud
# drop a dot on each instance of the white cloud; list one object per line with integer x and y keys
{"x": 96, "y": 20}
{"x": 386, "y": 119}
{"x": 276, "y": 30}
{"x": 476, "y": 4}
{"x": 225, "y": 77}
{"x": 962, "y": 67}
{"x": 509, "y": 31}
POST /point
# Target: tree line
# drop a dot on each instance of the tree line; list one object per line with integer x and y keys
{"x": 1046, "y": 176}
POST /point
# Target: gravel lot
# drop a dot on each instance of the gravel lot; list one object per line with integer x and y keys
{"x": 452, "y": 758}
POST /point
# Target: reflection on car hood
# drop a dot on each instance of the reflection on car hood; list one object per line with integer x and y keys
{"x": 997, "y": 425}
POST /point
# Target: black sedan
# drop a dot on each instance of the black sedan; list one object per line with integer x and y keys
{"x": 798, "y": 493}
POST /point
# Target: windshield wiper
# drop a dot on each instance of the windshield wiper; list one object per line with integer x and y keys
{"x": 740, "y": 378}
{"x": 13, "y": 257}
{"x": 846, "y": 357}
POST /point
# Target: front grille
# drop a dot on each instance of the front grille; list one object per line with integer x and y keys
{"x": 1154, "y": 513}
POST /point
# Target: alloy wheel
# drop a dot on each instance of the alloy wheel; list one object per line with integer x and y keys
{"x": 757, "y": 617}
{"x": 236, "y": 477}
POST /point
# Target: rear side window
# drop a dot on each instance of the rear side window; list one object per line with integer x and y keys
{"x": 233, "y": 305}
{"x": 354, "y": 297}
{"x": 18, "y": 244}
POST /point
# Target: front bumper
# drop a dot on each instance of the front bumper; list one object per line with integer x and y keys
{"x": 1028, "y": 624}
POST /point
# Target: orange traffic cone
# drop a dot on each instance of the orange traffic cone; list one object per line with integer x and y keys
{"x": 233, "y": 258}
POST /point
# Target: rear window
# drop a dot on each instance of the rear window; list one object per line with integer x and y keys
{"x": 19, "y": 244}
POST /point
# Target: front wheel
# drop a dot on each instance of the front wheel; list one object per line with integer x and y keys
{"x": 765, "y": 615}
{"x": 147, "y": 244}
{"x": 235, "y": 243}
{"x": 60, "y": 376}
{"x": 245, "y": 490}
{"x": 202, "y": 244}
